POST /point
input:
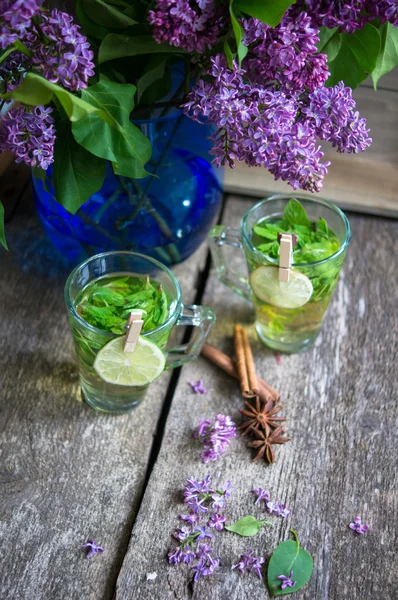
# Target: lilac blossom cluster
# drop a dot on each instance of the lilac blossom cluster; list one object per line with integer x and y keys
{"x": 215, "y": 437}
{"x": 349, "y": 15}
{"x": 274, "y": 128}
{"x": 58, "y": 52}
{"x": 30, "y": 134}
{"x": 66, "y": 58}
{"x": 15, "y": 18}
{"x": 202, "y": 501}
{"x": 193, "y": 25}
{"x": 272, "y": 507}
{"x": 286, "y": 54}
{"x": 249, "y": 564}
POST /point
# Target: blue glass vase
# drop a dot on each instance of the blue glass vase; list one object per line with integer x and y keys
{"x": 166, "y": 215}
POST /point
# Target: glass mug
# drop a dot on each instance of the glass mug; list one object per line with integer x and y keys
{"x": 109, "y": 397}
{"x": 283, "y": 329}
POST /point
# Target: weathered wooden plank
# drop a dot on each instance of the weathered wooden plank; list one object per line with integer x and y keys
{"x": 365, "y": 182}
{"x": 340, "y": 399}
{"x": 67, "y": 473}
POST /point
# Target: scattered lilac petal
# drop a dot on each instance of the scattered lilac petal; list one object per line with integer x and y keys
{"x": 261, "y": 495}
{"x": 198, "y": 387}
{"x": 217, "y": 521}
{"x": 215, "y": 437}
{"x": 249, "y": 564}
{"x": 287, "y": 581}
{"x": 358, "y": 526}
{"x": 151, "y": 576}
{"x": 92, "y": 548}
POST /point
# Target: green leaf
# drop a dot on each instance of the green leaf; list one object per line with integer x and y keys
{"x": 156, "y": 82}
{"x": 90, "y": 27}
{"x": 77, "y": 173}
{"x": 267, "y": 11}
{"x": 287, "y": 557}
{"x": 294, "y": 214}
{"x": 35, "y": 90}
{"x": 329, "y": 42}
{"x": 238, "y": 33}
{"x": 116, "y": 45}
{"x": 106, "y": 15}
{"x": 247, "y": 526}
{"x": 117, "y": 139}
{"x": 356, "y": 58}
{"x": 2, "y": 235}
{"x": 228, "y": 54}
{"x": 388, "y": 57}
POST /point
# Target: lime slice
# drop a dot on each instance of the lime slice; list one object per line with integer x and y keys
{"x": 136, "y": 368}
{"x": 266, "y": 286}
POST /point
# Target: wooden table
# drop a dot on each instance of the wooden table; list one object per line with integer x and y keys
{"x": 68, "y": 474}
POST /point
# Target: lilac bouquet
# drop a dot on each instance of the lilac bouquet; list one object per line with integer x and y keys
{"x": 271, "y": 76}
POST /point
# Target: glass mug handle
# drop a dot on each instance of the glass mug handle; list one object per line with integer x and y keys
{"x": 200, "y": 317}
{"x": 220, "y": 236}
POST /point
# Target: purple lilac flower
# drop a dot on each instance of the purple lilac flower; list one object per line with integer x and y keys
{"x": 175, "y": 556}
{"x": 274, "y": 128}
{"x": 15, "y": 18}
{"x": 29, "y": 133}
{"x": 385, "y": 10}
{"x": 205, "y": 567}
{"x": 257, "y": 126}
{"x": 261, "y": 495}
{"x": 202, "y": 533}
{"x": 249, "y": 564}
{"x": 12, "y": 71}
{"x": 215, "y": 437}
{"x": 286, "y": 54}
{"x": 287, "y": 581}
{"x": 278, "y": 509}
{"x": 193, "y": 25}
{"x": 92, "y": 548}
{"x": 217, "y": 521}
{"x": 67, "y": 58}
{"x": 198, "y": 387}
{"x": 358, "y": 526}
{"x": 182, "y": 534}
{"x": 191, "y": 519}
{"x": 331, "y": 111}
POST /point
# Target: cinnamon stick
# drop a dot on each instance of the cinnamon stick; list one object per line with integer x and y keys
{"x": 245, "y": 363}
{"x": 224, "y": 362}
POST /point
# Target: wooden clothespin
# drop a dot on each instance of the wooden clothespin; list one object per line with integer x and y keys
{"x": 286, "y": 241}
{"x": 134, "y": 326}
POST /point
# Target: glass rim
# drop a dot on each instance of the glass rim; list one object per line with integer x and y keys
{"x": 321, "y": 201}
{"x": 71, "y": 306}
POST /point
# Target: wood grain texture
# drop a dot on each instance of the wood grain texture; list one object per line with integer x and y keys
{"x": 340, "y": 399}
{"x": 366, "y": 182}
{"x": 67, "y": 473}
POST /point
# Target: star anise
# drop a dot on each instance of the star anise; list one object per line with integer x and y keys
{"x": 261, "y": 417}
{"x": 265, "y": 442}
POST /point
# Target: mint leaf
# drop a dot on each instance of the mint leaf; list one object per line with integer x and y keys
{"x": 2, "y": 236}
{"x": 294, "y": 214}
{"x": 287, "y": 557}
{"x": 247, "y": 526}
